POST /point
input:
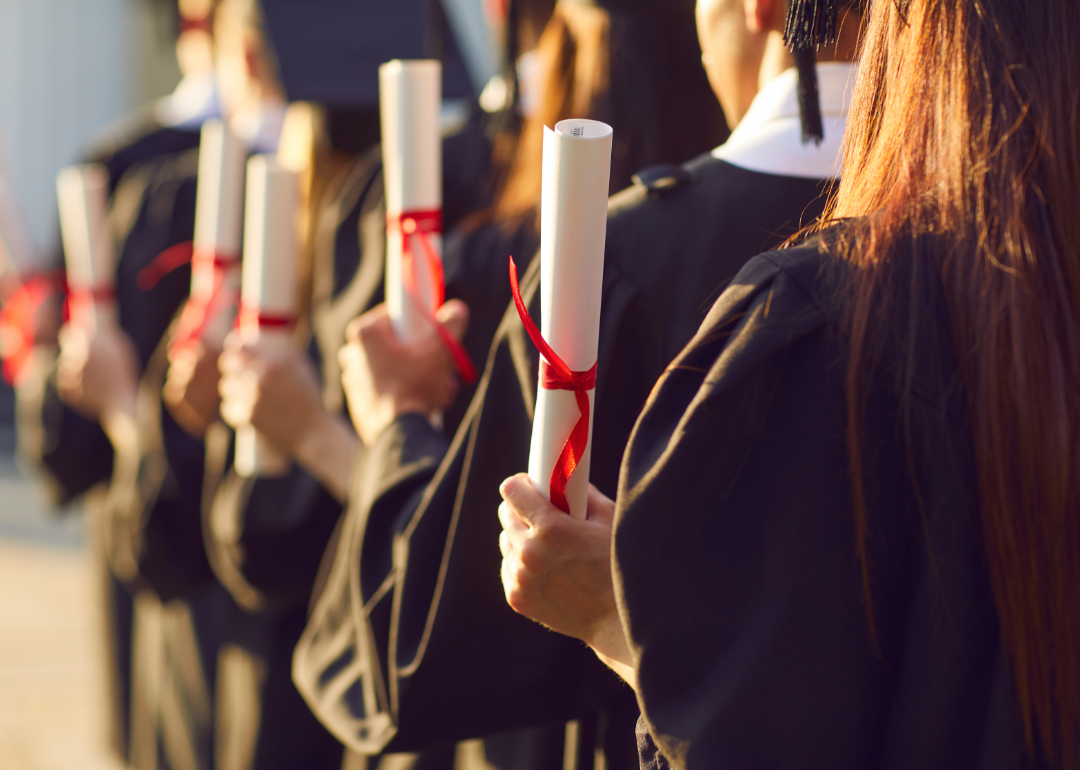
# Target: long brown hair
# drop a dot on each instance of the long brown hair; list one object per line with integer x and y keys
{"x": 980, "y": 185}
{"x": 642, "y": 75}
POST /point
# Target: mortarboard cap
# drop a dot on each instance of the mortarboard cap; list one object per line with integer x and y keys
{"x": 329, "y": 51}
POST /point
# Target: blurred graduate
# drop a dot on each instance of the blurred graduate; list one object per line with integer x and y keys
{"x": 76, "y": 406}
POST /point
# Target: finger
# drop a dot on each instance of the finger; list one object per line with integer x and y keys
{"x": 526, "y": 502}
{"x": 450, "y": 392}
{"x": 510, "y": 521}
{"x": 599, "y": 507}
{"x": 232, "y": 340}
{"x": 356, "y": 327}
{"x": 348, "y": 357}
{"x": 229, "y": 362}
{"x": 454, "y": 315}
{"x": 504, "y": 543}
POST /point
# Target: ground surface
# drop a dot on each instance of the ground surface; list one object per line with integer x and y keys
{"x": 51, "y": 688}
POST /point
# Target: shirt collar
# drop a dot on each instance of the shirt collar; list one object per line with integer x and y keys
{"x": 769, "y": 138}
{"x": 193, "y": 102}
{"x": 260, "y": 131}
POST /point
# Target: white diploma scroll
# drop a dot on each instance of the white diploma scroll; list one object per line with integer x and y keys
{"x": 573, "y": 230}
{"x": 82, "y": 193}
{"x": 410, "y": 95}
{"x": 268, "y": 290}
{"x": 219, "y": 207}
{"x": 18, "y": 254}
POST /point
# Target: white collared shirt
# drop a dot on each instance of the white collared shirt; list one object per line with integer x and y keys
{"x": 260, "y": 130}
{"x": 194, "y": 101}
{"x": 769, "y": 137}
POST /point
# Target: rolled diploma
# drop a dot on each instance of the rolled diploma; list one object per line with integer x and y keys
{"x": 18, "y": 254}
{"x": 410, "y": 95}
{"x": 82, "y": 192}
{"x": 573, "y": 230}
{"x": 268, "y": 285}
{"x": 219, "y": 205}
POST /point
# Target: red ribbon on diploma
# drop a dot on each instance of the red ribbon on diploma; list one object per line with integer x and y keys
{"x": 81, "y": 299}
{"x": 556, "y": 375}
{"x": 420, "y": 224}
{"x": 252, "y": 316}
{"x": 198, "y": 310}
{"x": 17, "y": 320}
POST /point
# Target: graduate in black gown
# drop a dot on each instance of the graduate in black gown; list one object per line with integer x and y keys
{"x": 266, "y": 536}
{"x": 151, "y": 193}
{"x": 846, "y": 530}
{"x": 435, "y": 627}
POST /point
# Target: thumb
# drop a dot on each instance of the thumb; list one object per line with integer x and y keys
{"x": 525, "y": 501}
{"x": 600, "y": 507}
{"x": 454, "y": 315}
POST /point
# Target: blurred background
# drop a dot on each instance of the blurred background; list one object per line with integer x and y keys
{"x": 68, "y": 68}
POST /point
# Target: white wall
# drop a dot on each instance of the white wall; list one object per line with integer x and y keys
{"x": 67, "y": 69}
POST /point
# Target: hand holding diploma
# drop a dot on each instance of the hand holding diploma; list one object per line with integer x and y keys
{"x": 385, "y": 377}
{"x": 191, "y": 386}
{"x": 97, "y": 370}
{"x": 556, "y": 569}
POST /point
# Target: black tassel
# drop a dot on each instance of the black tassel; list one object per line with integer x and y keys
{"x": 811, "y": 24}
{"x": 809, "y": 103}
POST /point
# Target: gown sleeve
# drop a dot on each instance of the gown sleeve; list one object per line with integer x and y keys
{"x": 411, "y": 643}
{"x": 69, "y": 453}
{"x": 734, "y": 543}
{"x": 735, "y": 552}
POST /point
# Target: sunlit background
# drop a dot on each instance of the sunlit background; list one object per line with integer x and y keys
{"x": 68, "y": 68}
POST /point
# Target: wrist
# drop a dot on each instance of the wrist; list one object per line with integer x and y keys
{"x": 608, "y": 639}
{"x": 327, "y": 452}
{"x": 120, "y": 424}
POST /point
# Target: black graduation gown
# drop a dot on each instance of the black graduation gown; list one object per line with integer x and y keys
{"x": 266, "y": 537}
{"x": 735, "y": 496}
{"x": 412, "y": 643}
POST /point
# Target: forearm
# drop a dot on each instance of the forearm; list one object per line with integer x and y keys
{"x": 120, "y": 423}
{"x": 609, "y": 643}
{"x": 328, "y": 452}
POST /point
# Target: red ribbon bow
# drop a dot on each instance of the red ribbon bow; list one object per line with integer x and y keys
{"x": 198, "y": 310}
{"x": 420, "y": 224}
{"x": 17, "y": 320}
{"x": 556, "y": 375}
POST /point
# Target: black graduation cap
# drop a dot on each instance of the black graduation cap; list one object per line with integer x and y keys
{"x": 810, "y": 25}
{"x": 329, "y": 51}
